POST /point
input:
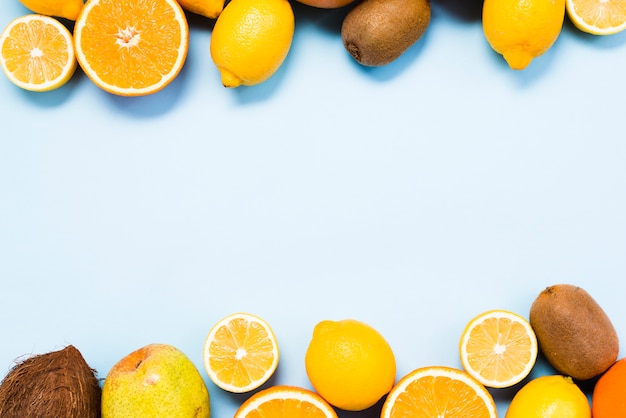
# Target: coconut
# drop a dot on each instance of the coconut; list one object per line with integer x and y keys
{"x": 58, "y": 384}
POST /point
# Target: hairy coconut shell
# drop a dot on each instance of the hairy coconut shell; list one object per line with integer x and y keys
{"x": 59, "y": 384}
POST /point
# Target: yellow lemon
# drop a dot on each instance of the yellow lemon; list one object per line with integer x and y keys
{"x": 206, "y": 8}
{"x": 251, "y": 39}
{"x": 552, "y": 396}
{"x": 598, "y": 17}
{"x": 37, "y": 53}
{"x": 522, "y": 30}
{"x": 68, "y": 9}
{"x": 350, "y": 364}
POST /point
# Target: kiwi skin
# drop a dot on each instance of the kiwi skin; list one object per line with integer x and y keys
{"x": 574, "y": 333}
{"x": 376, "y": 32}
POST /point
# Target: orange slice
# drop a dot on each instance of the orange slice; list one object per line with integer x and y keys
{"x": 598, "y": 17}
{"x": 498, "y": 348}
{"x": 37, "y": 53}
{"x": 240, "y": 353}
{"x": 130, "y": 47}
{"x": 437, "y": 391}
{"x": 285, "y": 402}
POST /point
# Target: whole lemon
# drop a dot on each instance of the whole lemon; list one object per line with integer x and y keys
{"x": 552, "y": 396}
{"x": 522, "y": 30}
{"x": 251, "y": 39}
{"x": 68, "y": 9}
{"x": 350, "y": 364}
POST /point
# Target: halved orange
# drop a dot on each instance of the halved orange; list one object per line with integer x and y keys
{"x": 130, "y": 47}
{"x": 439, "y": 391}
{"x": 598, "y": 17}
{"x": 285, "y": 402}
{"x": 240, "y": 352}
{"x": 37, "y": 53}
{"x": 498, "y": 348}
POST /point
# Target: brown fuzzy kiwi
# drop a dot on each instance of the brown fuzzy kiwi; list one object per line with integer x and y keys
{"x": 574, "y": 333}
{"x": 376, "y": 32}
{"x": 58, "y": 384}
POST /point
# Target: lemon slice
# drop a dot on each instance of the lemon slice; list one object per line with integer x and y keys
{"x": 240, "y": 353}
{"x": 37, "y": 53}
{"x": 498, "y": 348}
{"x": 597, "y": 17}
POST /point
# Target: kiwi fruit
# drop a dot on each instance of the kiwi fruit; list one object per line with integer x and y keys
{"x": 574, "y": 333}
{"x": 376, "y": 32}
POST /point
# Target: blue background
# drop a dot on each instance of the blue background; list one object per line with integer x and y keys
{"x": 411, "y": 197}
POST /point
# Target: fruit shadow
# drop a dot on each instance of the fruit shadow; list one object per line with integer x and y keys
{"x": 464, "y": 10}
{"x": 534, "y": 72}
{"x": 596, "y": 41}
{"x": 155, "y": 104}
{"x": 542, "y": 367}
{"x": 371, "y": 412}
{"x": 329, "y": 21}
{"x": 54, "y": 98}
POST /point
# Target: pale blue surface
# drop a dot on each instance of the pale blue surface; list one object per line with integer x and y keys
{"x": 411, "y": 197}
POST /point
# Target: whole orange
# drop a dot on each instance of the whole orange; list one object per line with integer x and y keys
{"x": 609, "y": 394}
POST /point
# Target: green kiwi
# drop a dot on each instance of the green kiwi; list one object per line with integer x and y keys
{"x": 574, "y": 333}
{"x": 376, "y": 32}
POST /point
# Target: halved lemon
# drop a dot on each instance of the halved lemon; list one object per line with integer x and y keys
{"x": 498, "y": 348}
{"x": 240, "y": 352}
{"x": 37, "y": 53}
{"x": 598, "y": 17}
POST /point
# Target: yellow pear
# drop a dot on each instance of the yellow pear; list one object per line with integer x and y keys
{"x": 157, "y": 380}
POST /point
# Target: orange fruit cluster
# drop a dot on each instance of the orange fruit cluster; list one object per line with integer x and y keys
{"x": 134, "y": 48}
{"x": 346, "y": 360}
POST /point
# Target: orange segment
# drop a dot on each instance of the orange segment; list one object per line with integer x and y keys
{"x": 240, "y": 353}
{"x": 37, "y": 53}
{"x": 438, "y": 391}
{"x": 285, "y": 402}
{"x": 498, "y": 348}
{"x": 598, "y": 17}
{"x": 130, "y": 47}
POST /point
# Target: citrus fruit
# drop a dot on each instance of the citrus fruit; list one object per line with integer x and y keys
{"x": 350, "y": 364}
{"x": 251, "y": 39}
{"x": 206, "y": 8}
{"x": 285, "y": 402}
{"x": 598, "y": 17}
{"x": 609, "y": 394}
{"x": 129, "y": 47}
{"x": 522, "y": 30}
{"x": 498, "y": 348}
{"x": 67, "y": 9}
{"x": 37, "y": 53}
{"x": 553, "y": 396}
{"x": 240, "y": 352}
{"x": 437, "y": 391}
